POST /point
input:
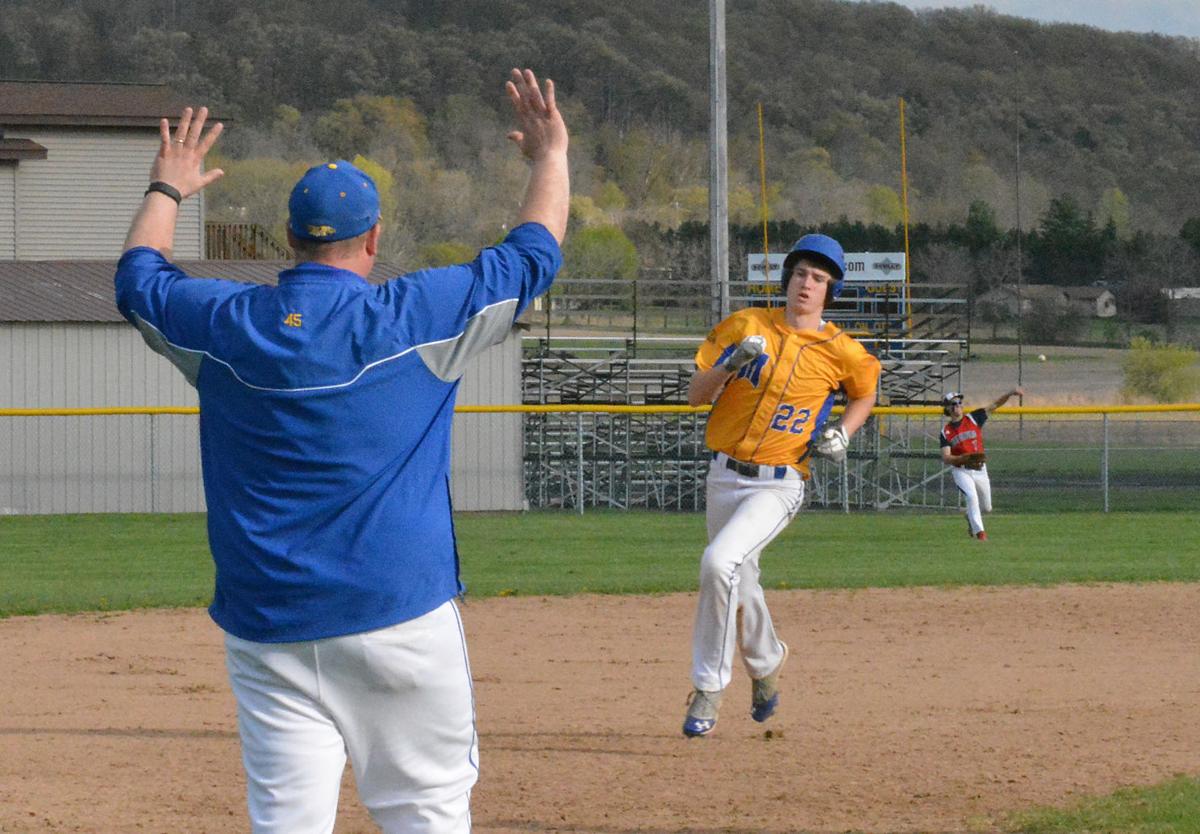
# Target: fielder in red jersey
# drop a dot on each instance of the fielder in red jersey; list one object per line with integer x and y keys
{"x": 962, "y": 449}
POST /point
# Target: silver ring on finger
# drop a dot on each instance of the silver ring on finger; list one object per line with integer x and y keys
{"x": 179, "y": 141}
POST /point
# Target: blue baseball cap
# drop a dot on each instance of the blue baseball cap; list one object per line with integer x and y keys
{"x": 333, "y": 201}
{"x": 825, "y": 251}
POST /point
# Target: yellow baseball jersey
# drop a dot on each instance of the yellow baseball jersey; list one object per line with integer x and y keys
{"x": 773, "y": 407}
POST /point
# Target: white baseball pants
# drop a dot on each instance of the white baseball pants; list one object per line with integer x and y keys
{"x": 744, "y": 515}
{"x": 397, "y": 700}
{"x": 977, "y": 490}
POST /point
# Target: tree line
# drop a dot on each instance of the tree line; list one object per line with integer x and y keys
{"x": 1106, "y": 123}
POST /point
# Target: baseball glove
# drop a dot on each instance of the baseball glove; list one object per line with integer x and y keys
{"x": 974, "y": 460}
{"x": 746, "y": 352}
{"x": 832, "y": 444}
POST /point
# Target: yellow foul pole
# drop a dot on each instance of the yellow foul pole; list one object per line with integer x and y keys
{"x": 904, "y": 206}
{"x": 762, "y": 177}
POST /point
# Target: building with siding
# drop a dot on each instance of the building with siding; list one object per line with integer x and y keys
{"x": 1009, "y": 296}
{"x": 64, "y": 345}
{"x": 74, "y": 162}
{"x": 1094, "y": 302}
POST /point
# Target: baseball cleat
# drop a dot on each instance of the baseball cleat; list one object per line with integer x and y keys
{"x": 702, "y": 713}
{"x": 982, "y": 536}
{"x": 765, "y": 691}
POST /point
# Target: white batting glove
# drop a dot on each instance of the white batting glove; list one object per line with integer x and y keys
{"x": 832, "y": 444}
{"x": 749, "y": 349}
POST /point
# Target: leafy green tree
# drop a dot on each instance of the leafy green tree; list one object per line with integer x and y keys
{"x": 611, "y": 198}
{"x": 1067, "y": 248}
{"x": 604, "y": 258}
{"x": 692, "y": 202}
{"x": 1114, "y": 210}
{"x": 600, "y": 252}
{"x": 385, "y": 184}
{"x": 1163, "y": 373}
{"x": 883, "y": 206}
{"x": 981, "y": 231}
{"x": 585, "y": 212}
{"x": 445, "y": 253}
{"x": 388, "y": 129}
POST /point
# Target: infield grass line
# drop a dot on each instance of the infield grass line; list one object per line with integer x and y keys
{"x": 1172, "y": 807}
{"x": 113, "y": 562}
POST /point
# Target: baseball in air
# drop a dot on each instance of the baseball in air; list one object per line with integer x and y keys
{"x": 1041, "y": 357}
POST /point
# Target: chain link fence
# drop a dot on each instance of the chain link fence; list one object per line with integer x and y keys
{"x": 1039, "y": 460}
{"x": 653, "y": 457}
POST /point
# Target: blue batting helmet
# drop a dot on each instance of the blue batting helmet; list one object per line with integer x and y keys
{"x": 824, "y": 250}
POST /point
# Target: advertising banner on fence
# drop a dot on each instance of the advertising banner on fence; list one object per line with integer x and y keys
{"x": 860, "y": 266}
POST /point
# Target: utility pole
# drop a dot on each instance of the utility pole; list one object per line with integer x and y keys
{"x": 1020, "y": 264}
{"x": 1020, "y": 271}
{"x": 718, "y": 163}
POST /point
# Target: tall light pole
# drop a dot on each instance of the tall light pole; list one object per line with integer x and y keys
{"x": 1020, "y": 272}
{"x": 718, "y": 162}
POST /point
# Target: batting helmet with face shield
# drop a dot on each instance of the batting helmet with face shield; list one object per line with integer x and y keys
{"x": 949, "y": 399}
{"x": 825, "y": 251}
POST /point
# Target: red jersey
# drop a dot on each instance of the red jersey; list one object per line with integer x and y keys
{"x": 966, "y": 436}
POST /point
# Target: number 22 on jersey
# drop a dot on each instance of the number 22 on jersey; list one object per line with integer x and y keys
{"x": 790, "y": 419}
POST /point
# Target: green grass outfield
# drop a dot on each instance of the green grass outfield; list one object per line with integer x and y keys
{"x": 115, "y": 562}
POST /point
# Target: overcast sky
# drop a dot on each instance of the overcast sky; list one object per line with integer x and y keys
{"x": 1169, "y": 17}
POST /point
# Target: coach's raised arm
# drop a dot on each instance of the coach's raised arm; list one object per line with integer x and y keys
{"x": 542, "y": 138}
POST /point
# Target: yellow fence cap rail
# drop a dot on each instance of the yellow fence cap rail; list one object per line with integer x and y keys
{"x": 898, "y": 410}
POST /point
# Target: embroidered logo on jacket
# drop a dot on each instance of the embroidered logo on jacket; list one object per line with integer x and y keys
{"x": 293, "y": 320}
{"x": 753, "y": 370}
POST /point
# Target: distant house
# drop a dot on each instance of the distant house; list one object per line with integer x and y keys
{"x": 1096, "y": 302}
{"x": 1006, "y": 297}
{"x": 74, "y": 161}
{"x": 1088, "y": 301}
{"x": 1183, "y": 301}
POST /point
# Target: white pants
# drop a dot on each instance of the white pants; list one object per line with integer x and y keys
{"x": 977, "y": 490}
{"x": 744, "y": 515}
{"x": 397, "y": 700}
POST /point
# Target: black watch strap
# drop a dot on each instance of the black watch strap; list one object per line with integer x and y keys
{"x": 163, "y": 188}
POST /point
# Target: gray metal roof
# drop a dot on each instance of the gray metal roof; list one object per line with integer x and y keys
{"x": 35, "y": 103}
{"x": 82, "y": 291}
{"x": 17, "y": 149}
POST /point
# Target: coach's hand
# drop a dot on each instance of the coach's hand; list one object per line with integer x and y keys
{"x": 749, "y": 349}
{"x": 541, "y": 135}
{"x": 832, "y": 444}
{"x": 181, "y": 156}
{"x": 175, "y": 175}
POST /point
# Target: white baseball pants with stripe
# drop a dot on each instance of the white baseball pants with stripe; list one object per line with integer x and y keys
{"x": 397, "y": 701}
{"x": 744, "y": 515}
{"x": 976, "y": 488}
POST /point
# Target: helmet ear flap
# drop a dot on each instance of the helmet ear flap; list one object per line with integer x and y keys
{"x": 785, "y": 273}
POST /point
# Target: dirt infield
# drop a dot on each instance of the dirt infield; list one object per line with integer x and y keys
{"x": 904, "y": 710}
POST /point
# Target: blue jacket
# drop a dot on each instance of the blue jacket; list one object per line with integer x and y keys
{"x": 325, "y": 412}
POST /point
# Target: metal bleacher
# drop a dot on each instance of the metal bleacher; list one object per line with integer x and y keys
{"x": 659, "y": 461}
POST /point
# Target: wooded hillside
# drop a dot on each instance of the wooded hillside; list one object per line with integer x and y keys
{"x": 1108, "y": 122}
